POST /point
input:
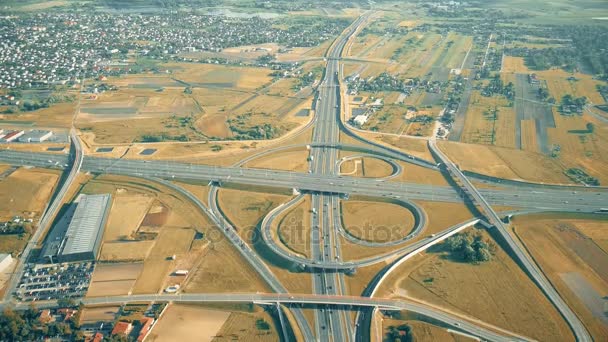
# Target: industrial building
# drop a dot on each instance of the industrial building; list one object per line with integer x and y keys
{"x": 78, "y": 234}
{"x": 12, "y": 136}
{"x": 35, "y": 136}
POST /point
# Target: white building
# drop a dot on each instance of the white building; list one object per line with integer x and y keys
{"x": 360, "y": 120}
{"x": 5, "y": 262}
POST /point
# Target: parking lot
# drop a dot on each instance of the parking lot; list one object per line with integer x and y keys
{"x": 55, "y": 281}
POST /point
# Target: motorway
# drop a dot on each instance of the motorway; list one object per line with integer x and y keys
{"x": 570, "y": 199}
{"x": 331, "y": 325}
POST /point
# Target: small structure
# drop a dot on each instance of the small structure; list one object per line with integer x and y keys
{"x": 360, "y": 120}
{"x": 181, "y": 272}
{"x": 5, "y": 261}
{"x": 122, "y": 328}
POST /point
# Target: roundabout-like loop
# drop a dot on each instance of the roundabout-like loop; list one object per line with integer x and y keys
{"x": 285, "y": 253}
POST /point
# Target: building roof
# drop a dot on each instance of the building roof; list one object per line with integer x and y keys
{"x": 146, "y": 324}
{"x": 86, "y": 226}
{"x": 122, "y": 328}
{"x": 36, "y": 134}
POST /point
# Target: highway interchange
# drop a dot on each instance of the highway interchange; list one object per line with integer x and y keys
{"x": 332, "y": 320}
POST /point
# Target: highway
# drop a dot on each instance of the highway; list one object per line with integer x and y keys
{"x": 571, "y": 199}
{"x": 579, "y": 330}
{"x": 331, "y": 325}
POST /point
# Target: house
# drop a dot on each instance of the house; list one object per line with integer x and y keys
{"x": 98, "y": 337}
{"x": 122, "y": 328}
{"x": 146, "y": 326}
{"x": 67, "y": 313}
{"x": 45, "y": 316}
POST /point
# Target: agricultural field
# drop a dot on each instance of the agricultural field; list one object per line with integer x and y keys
{"x": 490, "y": 121}
{"x": 573, "y": 252}
{"x": 249, "y": 327}
{"x": 421, "y": 331}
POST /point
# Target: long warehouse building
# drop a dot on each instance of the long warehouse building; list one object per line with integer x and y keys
{"x": 82, "y": 238}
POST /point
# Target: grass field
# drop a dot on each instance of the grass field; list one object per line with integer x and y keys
{"x": 514, "y": 65}
{"x": 221, "y": 76}
{"x": 422, "y": 331}
{"x": 366, "y": 167}
{"x": 573, "y": 252}
{"x": 360, "y": 220}
{"x": 113, "y": 279}
{"x": 248, "y": 327}
{"x": 26, "y": 192}
{"x": 290, "y": 160}
{"x": 497, "y": 292}
{"x": 294, "y": 228}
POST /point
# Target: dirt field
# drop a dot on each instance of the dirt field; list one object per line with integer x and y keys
{"x": 125, "y": 251}
{"x": 99, "y": 314}
{"x": 26, "y": 192}
{"x": 113, "y": 279}
{"x": 497, "y": 292}
{"x": 572, "y": 252}
{"x": 360, "y": 220}
{"x": 188, "y": 323}
{"x": 128, "y": 211}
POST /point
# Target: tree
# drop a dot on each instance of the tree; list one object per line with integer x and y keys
{"x": 590, "y": 127}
